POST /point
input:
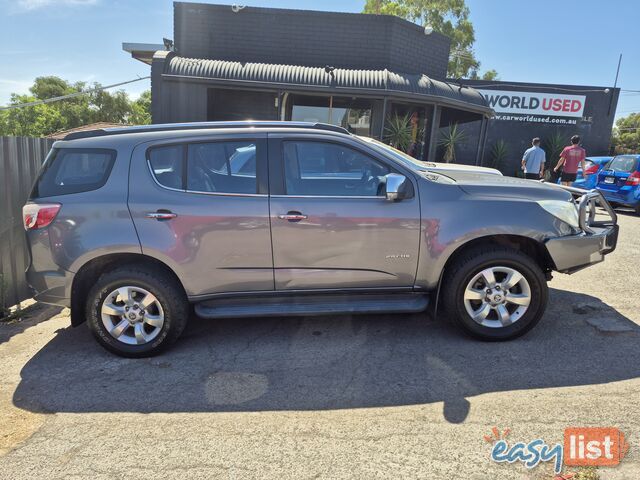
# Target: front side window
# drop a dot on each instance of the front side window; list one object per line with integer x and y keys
{"x": 331, "y": 169}
{"x": 224, "y": 167}
{"x": 73, "y": 170}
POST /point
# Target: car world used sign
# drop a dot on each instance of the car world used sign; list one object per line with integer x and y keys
{"x": 535, "y": 103}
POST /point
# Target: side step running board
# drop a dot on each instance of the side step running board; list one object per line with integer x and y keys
{"x": 312, "y": 305}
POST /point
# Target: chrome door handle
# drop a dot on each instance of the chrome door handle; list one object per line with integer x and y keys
{"x": 292, "y": 216}
{"x": 161, "y": 215}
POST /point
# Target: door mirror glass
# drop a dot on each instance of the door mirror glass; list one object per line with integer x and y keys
{"x": 396, "y": 187}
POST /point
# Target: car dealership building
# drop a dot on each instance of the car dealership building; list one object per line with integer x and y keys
{"x": 376, "y": 75}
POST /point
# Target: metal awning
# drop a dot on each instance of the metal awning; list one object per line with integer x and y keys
{"x": 335, "y": 81}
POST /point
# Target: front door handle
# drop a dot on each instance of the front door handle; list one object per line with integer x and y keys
{"x": 161, "y": 215}
{"x": 292, "y": 216}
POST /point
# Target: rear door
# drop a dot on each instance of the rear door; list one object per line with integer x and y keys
{"x": 201, "y": 206}
{"x": 332, "y": 227}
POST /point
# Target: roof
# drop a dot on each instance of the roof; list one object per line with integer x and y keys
{"x": 334, "y": 80}
{"x": 61, "y": 134}
{"x": 142, "y": 51}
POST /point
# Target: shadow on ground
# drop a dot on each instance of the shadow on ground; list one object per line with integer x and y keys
{"x": 30, "y": 316}
{"x": 330, "y": 363}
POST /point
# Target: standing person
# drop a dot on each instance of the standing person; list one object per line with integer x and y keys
{"x": 533, "y": 161}
{"x": 570, "y": 158}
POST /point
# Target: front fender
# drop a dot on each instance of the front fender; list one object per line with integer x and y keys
{"x": 449, "y": 225}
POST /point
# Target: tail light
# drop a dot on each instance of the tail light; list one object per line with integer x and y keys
{"x": 633, "y": 179}
{"x": 39, "y": 215}
{"x": 591, "y": 170}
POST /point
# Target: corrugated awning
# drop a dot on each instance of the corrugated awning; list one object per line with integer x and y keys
{"x": 337, "y": 80}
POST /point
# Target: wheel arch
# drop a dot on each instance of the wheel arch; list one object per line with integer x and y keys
{"x": 531, "y": 247}
{"x": 89, "y": 273}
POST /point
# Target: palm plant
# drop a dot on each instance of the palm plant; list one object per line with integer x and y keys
{"x": 398, "y": 132}
{"x": 450, "y": 139}
{"x": 553, "y": 147}
{"x": 499, "y": 153}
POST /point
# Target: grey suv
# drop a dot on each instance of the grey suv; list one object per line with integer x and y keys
{"x": 130, "y": 227}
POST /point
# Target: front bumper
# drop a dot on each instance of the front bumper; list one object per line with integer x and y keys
{"x": 598, "y": 238}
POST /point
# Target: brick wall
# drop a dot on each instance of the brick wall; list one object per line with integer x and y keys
{"x": 308, "y": 38}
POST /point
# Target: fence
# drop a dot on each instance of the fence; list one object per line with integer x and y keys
{"x": 20, "y": 160}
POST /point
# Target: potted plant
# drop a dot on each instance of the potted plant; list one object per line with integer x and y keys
{"x": 499, "y": 153}
{"x": 450, "y": 139}
{"x": 398, "y": 132}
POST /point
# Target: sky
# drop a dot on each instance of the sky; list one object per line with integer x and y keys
{"x": 549, "y": 41}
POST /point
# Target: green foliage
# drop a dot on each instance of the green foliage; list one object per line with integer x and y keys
{"x": 553, "y": 146}
{"x": 397, "y": 132}
{"x": 449, "y": 17}
{"x": 626, "y": 134}
{"x": 499, "y": 153}
{"x": 450, "y": 139}
{"x": 488, "y": 75}
{"x": 45, "y": 119}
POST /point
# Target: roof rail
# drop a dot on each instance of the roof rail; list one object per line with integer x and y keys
{"x": 101, "y": 132}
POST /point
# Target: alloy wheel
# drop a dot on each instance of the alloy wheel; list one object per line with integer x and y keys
{"x": 497, "y": 297}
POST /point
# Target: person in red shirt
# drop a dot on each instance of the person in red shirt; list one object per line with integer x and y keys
{"x": 570, "y": 158}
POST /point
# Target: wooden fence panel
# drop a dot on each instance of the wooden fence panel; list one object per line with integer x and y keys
{"x": 20, "y": 160}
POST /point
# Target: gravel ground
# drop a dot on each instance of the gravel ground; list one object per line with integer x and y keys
{"x": 393, "y": 396}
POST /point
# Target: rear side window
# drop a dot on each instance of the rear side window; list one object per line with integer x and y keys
{"x": 167, "y": 164}
{"x": 623, "y": 163}
{"x": 223, "y": 167}
{"x": 73, "y": 170}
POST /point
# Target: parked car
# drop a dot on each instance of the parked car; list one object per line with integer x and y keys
{"x": 594, "y": 165}
{"x": 129, "y": 226}
{"x": 619, "y": 181}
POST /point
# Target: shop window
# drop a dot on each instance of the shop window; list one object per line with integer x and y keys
{"x": 351, "y": 113}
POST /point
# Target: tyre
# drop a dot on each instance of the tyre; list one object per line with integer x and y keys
{"x": 136, "y": 311}
{"x": 494, "y": 293}
{"x": 637, "y": 210}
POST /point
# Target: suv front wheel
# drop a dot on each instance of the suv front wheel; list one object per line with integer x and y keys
{"x": 495, "y": 293}
{"x": 136, "y": 311}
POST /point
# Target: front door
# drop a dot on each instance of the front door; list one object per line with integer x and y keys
{"x": 201, "y": 207}
{"x": 331, "y": 225}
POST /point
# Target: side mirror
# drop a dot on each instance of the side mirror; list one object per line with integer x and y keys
{"x": 395, "y": 187}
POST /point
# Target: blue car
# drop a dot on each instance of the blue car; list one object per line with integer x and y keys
{"x": 594, "y": 165}
{"x": 619, "y": 181}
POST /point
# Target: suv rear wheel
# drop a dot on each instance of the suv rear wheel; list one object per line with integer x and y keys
{"x": 136, "y": 311}
{"x": 495, "y": 293}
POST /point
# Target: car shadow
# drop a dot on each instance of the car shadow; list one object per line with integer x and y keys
{"x": 331, "y": 363}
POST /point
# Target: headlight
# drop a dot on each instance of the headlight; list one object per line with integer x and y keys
{"x": 565, "y": 211}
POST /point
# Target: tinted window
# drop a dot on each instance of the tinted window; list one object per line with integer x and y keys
{"x": 223, "y": 167}
{"x": 71, "y": 170}
{"x": 166, "y": 164}
{"x": 319, "y": 168}
{"x": 623, "y": 163}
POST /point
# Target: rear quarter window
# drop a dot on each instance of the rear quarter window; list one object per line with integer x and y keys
{"x": 73, "y": 170}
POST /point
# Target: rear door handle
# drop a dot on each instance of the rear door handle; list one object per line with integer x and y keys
{"x": 292, "y": 216}
{"x": 161, "y": 215}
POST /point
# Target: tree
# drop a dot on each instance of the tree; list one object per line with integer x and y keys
{"x": 626, "y": 134}
{"x": 449, "y": 17}
{"x": 44, "y": 119}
